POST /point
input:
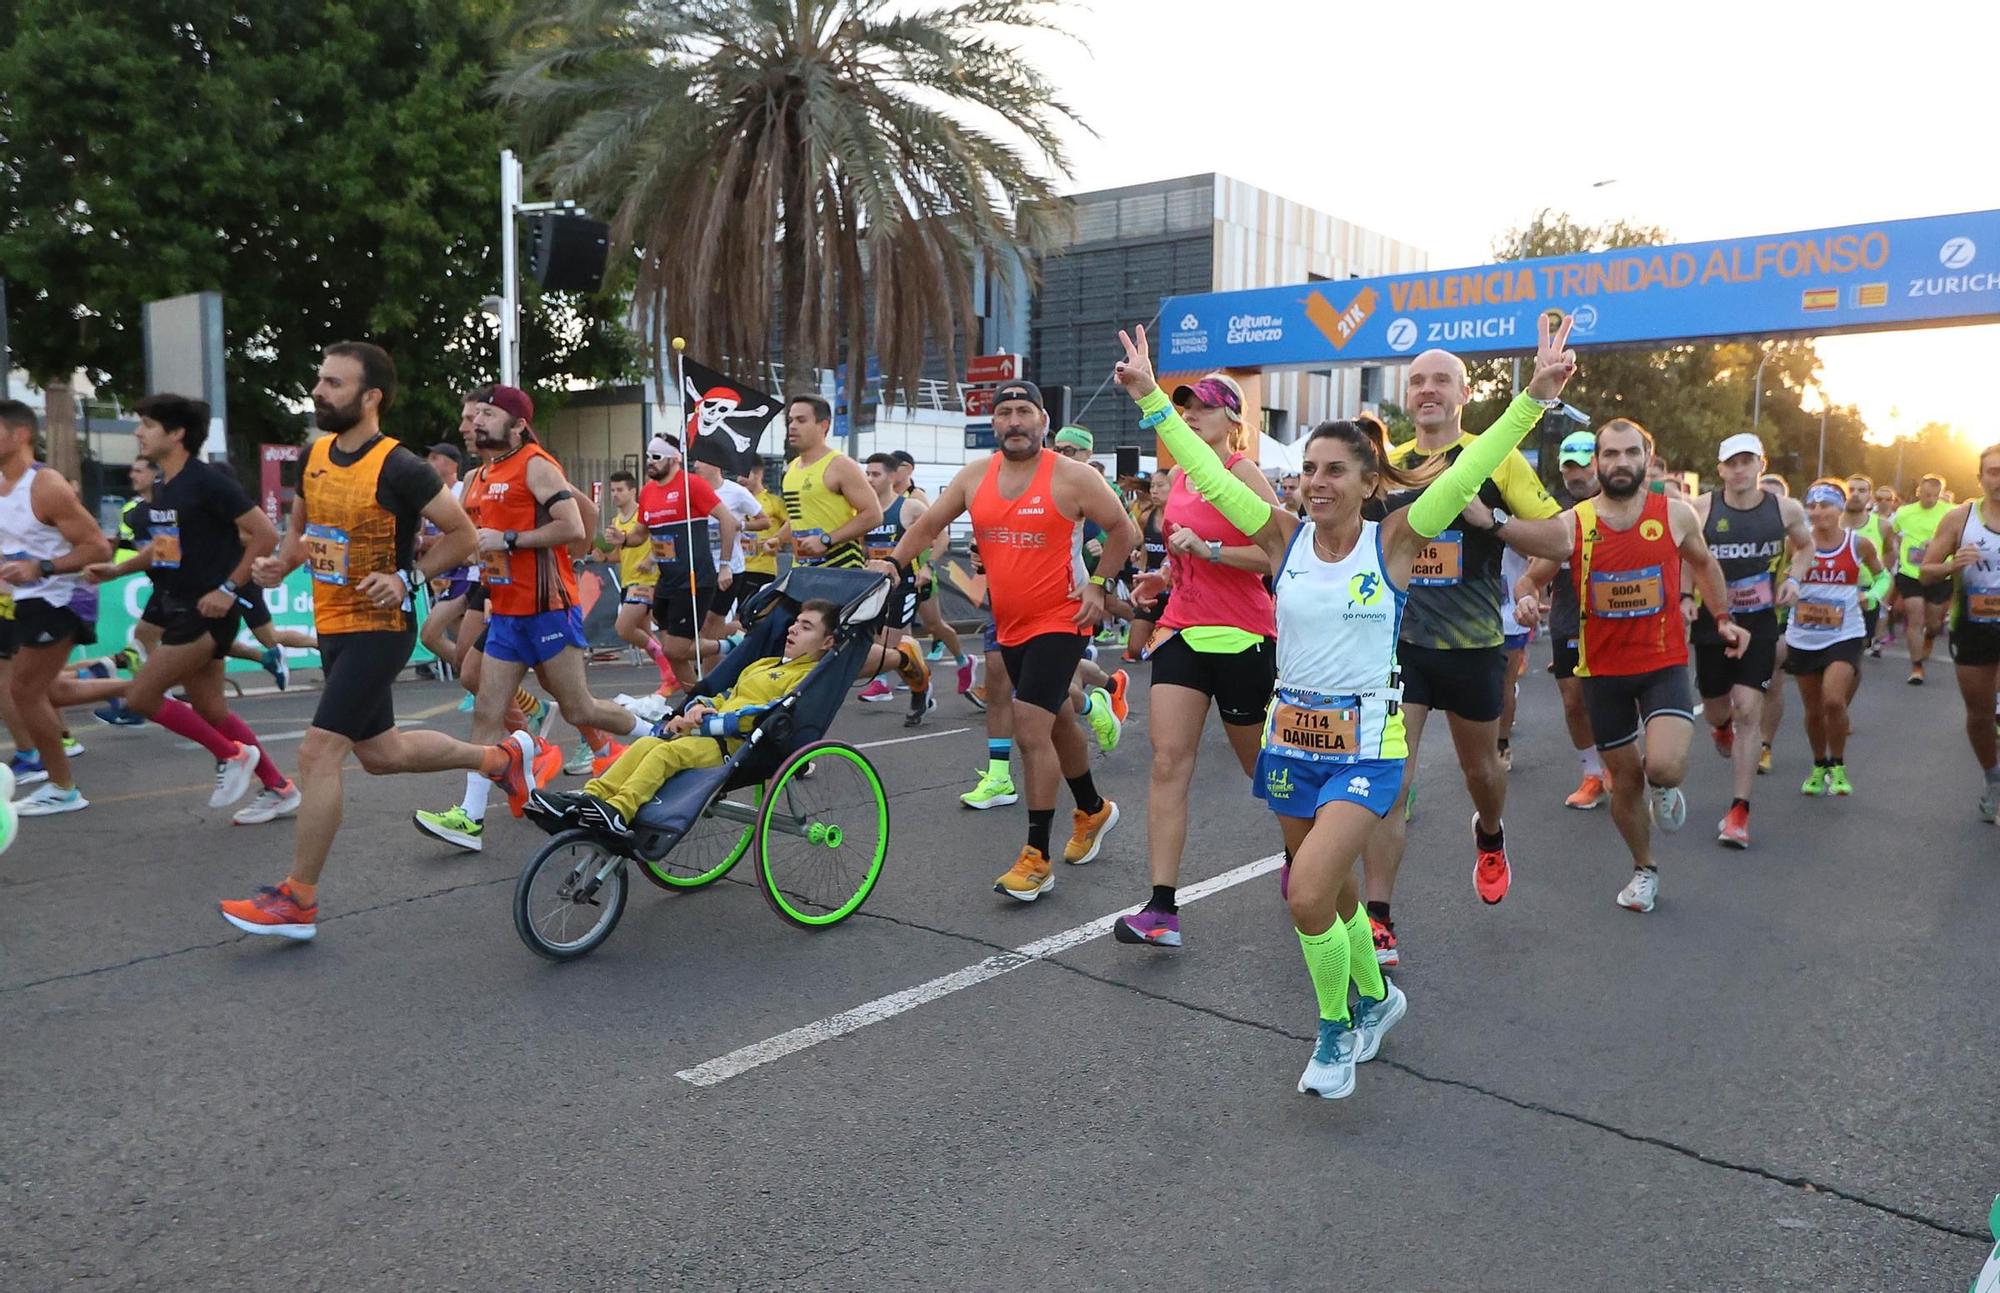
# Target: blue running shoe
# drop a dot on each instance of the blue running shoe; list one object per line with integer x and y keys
{"x": 27, "y": 768}
{"x": 1373, "y": 1020}
{"x": 118, "y": 714}
{"x": 1330, "y": 1076}
{"x": 465, "y": 706}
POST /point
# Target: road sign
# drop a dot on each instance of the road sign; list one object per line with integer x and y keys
{"x": 993, "y": 368}
{"x": 979, "y": 400}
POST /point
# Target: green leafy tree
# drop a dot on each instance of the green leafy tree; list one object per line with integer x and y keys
{"x": 835, "y": 168}
{"x": 331, "y": 169}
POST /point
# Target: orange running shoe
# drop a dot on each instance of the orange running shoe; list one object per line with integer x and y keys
{"x": 275, "y": 912}
{"x": 1120, "y": 681}
{"x": 1725, "y": 738}
{"x": 1386, "y": 954}
{"x": 516, "y": 777}
{"x": 1029, "y": 878}
{"x": 1088, "y": 837}
{"x": 1490, "y": 872}
{"x": 1589, "y": 793}
{"x": 1734, "y": 829}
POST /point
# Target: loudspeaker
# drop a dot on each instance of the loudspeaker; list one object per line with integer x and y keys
{"x": 566, "y": 253}
{"x": 1128, "y": 460}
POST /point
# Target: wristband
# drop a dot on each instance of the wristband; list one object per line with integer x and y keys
{"x": 1722, "y": 617}
{"x": 1102, "y": 581}
{"x": 228, "y": 586}
{"x": 1151, "y": 420}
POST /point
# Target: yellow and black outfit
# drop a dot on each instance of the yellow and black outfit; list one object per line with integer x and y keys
{"x": 640, "y": 772}
{"x": 815, "y": 508}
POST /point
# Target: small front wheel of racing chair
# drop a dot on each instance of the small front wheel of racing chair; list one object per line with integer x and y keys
{"x": 821, "y": 842}
{"x": 570, "y": 896}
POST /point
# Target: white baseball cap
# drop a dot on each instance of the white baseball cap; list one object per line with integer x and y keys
{"x": 1743, "y": 443}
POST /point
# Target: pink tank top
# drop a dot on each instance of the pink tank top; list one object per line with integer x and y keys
{"x": 1208, "y": 592}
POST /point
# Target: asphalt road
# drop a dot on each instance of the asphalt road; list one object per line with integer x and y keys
{"x": 1783, "y": 1078}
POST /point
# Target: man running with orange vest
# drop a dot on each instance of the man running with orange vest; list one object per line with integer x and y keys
{"x": 354, "y": 527}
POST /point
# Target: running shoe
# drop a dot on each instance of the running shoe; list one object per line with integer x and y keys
{"x": 269, "y": 805}
{"x": 118, "y": 714}
{"x": 597, "y": 815}
{"x": 1103, "y": 722}
{"x": 10, "y": 821}
{"x": 1874, "y": 650}
{"x": 1374, "y": 1019}
{"x": 1491, "y": 873}
{"x": 1989, "y": 803}
{"x": 1330, "y": 1076}
{"x": 560, "y": 806}
{"x": 49, "y": 800}
{"x": 1386, "y": 954}
{"x": 1160, "y": 928}
{"x": 27, "y": 768}
{"x": 1641, "y": 891}
{"x": 1724, "y": 738}
{"x": 277, "y": 666}
{"x": 454, "y": 826}
{"x": 1088, "y": 836}
{"x": 977, "y": 695}
{"x": 1764, "y": 759}
{"x": 130, "y": 658}
{"x": 233, "y": 775}
{"x": 1734, "y": 828}
{"x": 915, "y": 718}
{"x": 937, "y": 649}
{"x": 527, "y": 756}
{"x": 580, "y": 759}
{"x": 1815, "y": 782}
{"x": 1668, "y": 806}
{"x": 1121, "y": 685}
{"x": 465, "y": 706}
{"x": 273, "y": 911}
{"x": 1916, "y": 678}
{"x": 965, "y": 676}
{"x": 995, "y": 790}
{"x": 876, "y": 692}
{"x": 72, "y": 747}
{"x": 1837, "y": 782}
{"x": 1589, "y": 793}
{"x": 1029, "y": 878}
{"x": 606, "y": 757}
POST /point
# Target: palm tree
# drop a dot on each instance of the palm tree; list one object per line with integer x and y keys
{"x": 825, "y": 150}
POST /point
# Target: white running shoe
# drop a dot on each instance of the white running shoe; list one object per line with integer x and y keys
{"x": 269, "y": 805}
{"x": 1373, "y": 1020}
{"x": 1989, "y": 803}
{"x": 49, "y": 799}
{"x": 1640, "y": 893}
{"x": 579, "y": 760}
{"x": 1330, "y": 1075}
{"x": 232, "y": 776}
{"x": 1668, "y": 806}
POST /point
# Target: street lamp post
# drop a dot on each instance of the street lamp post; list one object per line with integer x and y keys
{"x": 1757, "y": 395}
{"x": 1822, "y": 430}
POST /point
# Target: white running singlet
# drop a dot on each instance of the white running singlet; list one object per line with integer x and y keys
{"x": 1829, "y": 605}
{"x": 24, "y": 536}
{"x": 1337, "y": 627}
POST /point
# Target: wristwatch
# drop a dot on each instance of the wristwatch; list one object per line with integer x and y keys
{"x": 510, "y": 538}
{"x": 47, "y": 567}
{"x": 1215, "y": 550}
{"x": 1500, "y": 518}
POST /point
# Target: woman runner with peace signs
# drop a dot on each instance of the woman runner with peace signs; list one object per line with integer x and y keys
{"x": 1333, "y": 745}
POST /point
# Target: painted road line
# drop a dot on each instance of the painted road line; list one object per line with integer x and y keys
{"x": 742, "y": 1060}
{"x": 273, "y": 738}
{"x": 921, "y": 736}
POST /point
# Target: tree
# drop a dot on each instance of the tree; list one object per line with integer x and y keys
{"x": 825, "y": 153}
{"x": 331, "y": 169}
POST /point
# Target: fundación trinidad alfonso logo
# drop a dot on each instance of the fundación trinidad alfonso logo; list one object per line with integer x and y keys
{"x": 1651, "y": 530}
{"x": 1957, "y": 253}
{"x": 1364, "y": 589}
{"x": 1189, "y": 323}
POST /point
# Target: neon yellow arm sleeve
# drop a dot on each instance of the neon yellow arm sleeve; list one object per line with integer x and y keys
{"x": 1237, "y": 502}
{"x": 1441, "y": 502}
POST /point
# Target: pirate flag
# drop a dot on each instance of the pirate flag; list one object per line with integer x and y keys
{"x": 724, "y": 415}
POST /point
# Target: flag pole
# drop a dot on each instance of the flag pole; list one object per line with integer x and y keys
{"x": 687, "y": 508}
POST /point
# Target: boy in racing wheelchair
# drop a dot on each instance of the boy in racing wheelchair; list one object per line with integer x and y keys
{"x": 702, "y": 734}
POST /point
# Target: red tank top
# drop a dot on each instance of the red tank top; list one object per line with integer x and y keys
{"x": 526, "y": 581}
{"x": 1628, "y": 583}
{"x": 1208, "y": 592}
{"x": 1030, "y": 551}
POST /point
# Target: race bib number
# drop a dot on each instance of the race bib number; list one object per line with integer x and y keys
{"x": 1314, "y": 731}
{"x": 166, "y": 547}
{"x": 664, "y": 548}
{"x": 748, "y": 542}
{"x": 1440, "y": 562}
{"x": 1982, "y": 608}
{"x": 879, "y": 553}
{"x": 1751, "y": 594}
{"x": 496, "y": 569}
{"x": 326, "y": 553}
{"x": 1627, "y": 594}
{"x": 1818, "y": 615}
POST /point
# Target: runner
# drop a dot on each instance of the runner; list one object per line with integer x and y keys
{"x": 1774, "y": 697}
{"x": 1923, "y": 604}
{"x": 1215, "y": 646}
{"x": 1336, "y": 732}
{"x": 142, "y": 475}
{"x": 1577, "y": 462}
{"x": 707, "y": 461}
{"x": 760, "y": 548}
{"x": 1887, "y": 500}
{"x": 203, "y": 534}
{"x": 686, "y": 581}
{"x": 906, "y": 476}
{"x": 829, "y": 506}
{"x": 1027, "y": 503}
{"x": 1965, "y": 552}
{"x": 1859, "y": 518}
{"x": 893, "y": 649}
{"x": 447, "y": 593}
{"x": 47, "y": 537}
{"x": 1627, "y": 550}
{"x": 1151, "y": 557}
{"x": 1451, "y": 655}
{"x": 354, "y": 526}
{"x": 637, "y": 576}
{"x": 1827, "y": 632}
{"x": 1752, "y": 535}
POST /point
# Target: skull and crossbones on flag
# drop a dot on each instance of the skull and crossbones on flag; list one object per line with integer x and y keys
{"x": 726, "y": 414}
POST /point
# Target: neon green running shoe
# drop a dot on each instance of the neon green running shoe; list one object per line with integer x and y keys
{"x": 71, "y": 746}
{"x": 454, "y": 826}
{"x": 995, "y": 790}
{"x": 1815, "y": 783}
{"x": 1837, "y": 782}
{"x": 1103, "y": 722}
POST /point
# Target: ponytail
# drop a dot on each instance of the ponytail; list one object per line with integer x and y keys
{"x": 1367, "y": 439}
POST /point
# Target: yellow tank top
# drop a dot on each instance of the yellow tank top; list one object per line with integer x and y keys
{"x": 756, "y": 561}
{"x": 631, "y": 559}
{"x": 814, "y": 508}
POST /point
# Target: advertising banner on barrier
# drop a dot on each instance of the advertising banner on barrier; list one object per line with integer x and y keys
{"x": 1858, "y": 278}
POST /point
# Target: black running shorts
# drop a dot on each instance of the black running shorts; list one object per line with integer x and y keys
{"x": 1466, "y": 681}
{"x": 1240, "y": 684}
{"x": 1715, "y": 673}
{"x": 360, "y": 668}
{"x": 1621, "y": 705}
{"x": 1043, "y": 667}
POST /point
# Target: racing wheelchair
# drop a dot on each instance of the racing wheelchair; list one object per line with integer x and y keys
{"x": 810, "y": 811}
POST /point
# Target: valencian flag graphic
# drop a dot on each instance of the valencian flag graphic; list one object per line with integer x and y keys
{"x": 725, "y": 414}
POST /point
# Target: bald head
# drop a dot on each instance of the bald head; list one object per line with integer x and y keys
{"x": 1436, "y": 393}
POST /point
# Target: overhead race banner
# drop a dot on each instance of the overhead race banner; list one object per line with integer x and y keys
{"x": 1860, "y": 278}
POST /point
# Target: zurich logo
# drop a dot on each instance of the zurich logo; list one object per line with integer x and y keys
{"x": 1189, "y": 323}
{"x": 1402, "y": 334}
{"x": 1358, "y": 786}
{"x": 1957, "y": 253}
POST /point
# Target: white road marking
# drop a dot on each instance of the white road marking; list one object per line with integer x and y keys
{"x": 272, "y": 738}
{"x": 742, "y": 1060}
{"x": 921, "y": 736}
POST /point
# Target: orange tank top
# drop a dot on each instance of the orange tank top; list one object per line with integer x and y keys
{"x": 526, "y": 581}
{"x": 349, "y": 536}
{"x": 1030, "y": 551}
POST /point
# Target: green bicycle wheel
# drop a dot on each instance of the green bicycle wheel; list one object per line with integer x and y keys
{"x": 823, "y": 835}
{"x": 712, "y": 846}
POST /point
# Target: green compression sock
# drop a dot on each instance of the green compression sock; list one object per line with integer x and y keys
{"x": 1361, "y": 964}
{"x": 1326, "y": 961}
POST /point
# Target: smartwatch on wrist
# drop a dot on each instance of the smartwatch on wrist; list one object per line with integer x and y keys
{"x": 1102, "y": 581}
{"x": 47, "y": 567}
{"x": 511, "y": 538}
{"x": 1215, "y": 550}
{"x": 1500, "y": 518}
